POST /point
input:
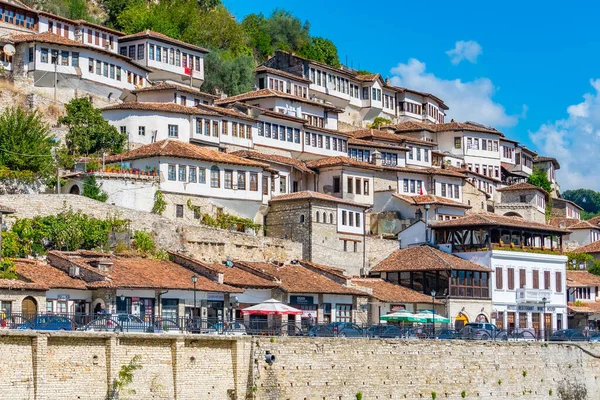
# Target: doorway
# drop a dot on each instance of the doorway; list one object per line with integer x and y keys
{"x": 29, "y": 307}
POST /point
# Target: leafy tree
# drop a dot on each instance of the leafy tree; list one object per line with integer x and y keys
{"x": 255, "y": 27}
{"x": 539, "y": 178}
{"x": 25, "y": 142}
{"x": 8, "y": 269}
{"x": 322, "y": 50}
{"x": 587, "y": 199}
{"x": 378, "y": 122}
{"x": 89, "y": 133}
{"x": 143, "y": 243}
{"x": 77, "y": 9}
{"x": 93, "y": 190}
{"x": 228, "y": 74}
{"x": 114, "y": 8}
{"x": 10, "y": 244}
{"x": 287, "y": 32}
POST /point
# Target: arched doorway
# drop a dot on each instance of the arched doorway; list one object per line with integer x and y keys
{"x": 460, "y": 321}
{"x": 482, "y": 318}
{"x": 29, "y": 307}
{"x": 74, "y": 189}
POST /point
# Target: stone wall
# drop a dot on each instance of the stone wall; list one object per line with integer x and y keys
{"x": 72, "y": 365}
{"x": 198, "y": 241}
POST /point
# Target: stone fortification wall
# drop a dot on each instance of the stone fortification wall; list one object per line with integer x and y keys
{"x": 201, "y": 242}
{"x": 71, "y": 365}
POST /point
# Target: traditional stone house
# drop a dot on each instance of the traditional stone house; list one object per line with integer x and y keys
{"x": 331, "y": 230}
{"x": 583, "y": 296}
{"x": 567, "y": 209}
{"x": 523, "y": 200}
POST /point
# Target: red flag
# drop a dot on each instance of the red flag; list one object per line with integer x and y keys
{"x": 187, "y": 71}
{"x": 421, "y": 191}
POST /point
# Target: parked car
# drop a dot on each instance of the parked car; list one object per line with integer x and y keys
{"x": 482, "y": 331}
{"x": 446, "y": 334}
{"x": 231, "y": 328}
{"x": 121, "y": 323}
{"x": 384, "y": 332}
{"x": 321, "y": 331}
{"x": 49, "y": 323}
{"x": 568, "y": 335}
{"x": 522, "y": 336}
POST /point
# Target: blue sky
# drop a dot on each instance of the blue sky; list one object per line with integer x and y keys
{"x": 527, "y": 68}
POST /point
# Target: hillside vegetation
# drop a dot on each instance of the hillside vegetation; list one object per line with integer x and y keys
{"x": 236, "y": 46}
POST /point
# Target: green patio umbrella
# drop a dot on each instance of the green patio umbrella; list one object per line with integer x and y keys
{"x": 429, "y": 316}
{"x": 402, "y": 316}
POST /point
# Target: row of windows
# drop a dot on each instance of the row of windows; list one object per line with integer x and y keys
{"x": 59, "y": 58}
{"x": 487, "y": 170}
{"x": 360, "y": 155}
{"x": 93, "y": 37}
{"x": 417, "y": 153}
{"x": 333, "y": 82}
{"x": 449, "y": 190}
{"x": 348, "y": 247}
{"x": 414, "y": 186}
{"x": 320, "y": 141}
{"x": 411, "y": 107}
{"x": 324, "y": 219}
{"x": 473, "y": 144}
{"x": 357, "y": 186}
{"x": 162, "y": 54}
{"x": 209, "y": 127}
{"x": 376, "y": 94}
{"x": 536, "y": 284}
{"x": 483, "y": 185}
{"x": 507, "y": 152}
{"x": 351, "y": 218}
{"x": 540, "y": 201}
{"x": 281, "y": 132}
{"x": 524, "y": 160}
{"x": 16, "y": 18}
{"x": 231, "y": 179}
{"x": 313, "y": 120}
{"x": 435, "y": 113}
{"x": 388, "y": 101}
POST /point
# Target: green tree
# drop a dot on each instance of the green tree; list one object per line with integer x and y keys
{"x": 539, "y": 178}
{"x": 378, "y": 122}
{"x": 587, "y": 199}
{"x": 228, "y": 74}
{"x": 114, "y": 8}
{"x": 77, "y": 9}
{"x": 89, "y": 133}
{"x": 93, "y": 190}
{"x": 255, "y": 27}
{"x": 322, "y": 50}
{"x": 25, "y": 142}
{"x": 143, "y": 243}
{"x": 287, "y": 32}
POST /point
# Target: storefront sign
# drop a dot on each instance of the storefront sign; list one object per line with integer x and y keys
{"x": 63, "y": 297}
{"x": 216, "y": 297}
{"x": 301, "y": 300}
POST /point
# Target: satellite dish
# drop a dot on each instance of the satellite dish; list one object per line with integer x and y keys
{"x": 9, "y": 49}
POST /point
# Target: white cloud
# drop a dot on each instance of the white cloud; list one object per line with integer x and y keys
{"x": 575, "y": 142}
{"x": 468, "y": 100}
{"x": 464, "y": 50}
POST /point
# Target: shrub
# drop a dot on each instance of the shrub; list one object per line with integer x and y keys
{"x": 143, "y": 242}
{"x": 92, "y": 189}
{"x": 463, "y": 394}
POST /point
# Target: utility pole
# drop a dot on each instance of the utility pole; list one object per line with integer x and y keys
{"x": 55, "y": 76}
{"x": 57, "y": 180}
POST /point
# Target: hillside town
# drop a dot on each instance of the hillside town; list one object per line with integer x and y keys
{"x": 369, "y": 198}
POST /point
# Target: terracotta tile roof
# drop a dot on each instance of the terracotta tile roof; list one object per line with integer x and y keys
{"x": 411, "y": 126}
{"x": 264, "y": 68}
{"x": 367, "y": 77}
{"x": 6, "y": 210}
{"x": 340, "y": 160}
{"x": 21, "y": 285}
{"x": 160, "y": 107}
{"x": 467, "y": 172}
{"x": 584, "y": 308}
{"x": 493, "y": 220}
{"x": 46, "y": 275}
{"x": 425, "y": 258}
{"x": 325, "y": 130}
{"x": 227, "y": 112}
{"x": 562, "y": 222}
{"x": 142, "y": 273}
{"x": 265, "y": 112}
{"x": 265, "y": 93}
{"x": 591, "y": 248}
{"x": 522, "y": 186}
{"x": 582, "y": 279}
{"x": 255, "y": 155}
{"x": 429, "y": 199}
{"x": 466, "y": 126}
{"x": 583, "y": 225}
{"x": 338, "y": 272}
{"x": 557, "y": 201}
{"x": 541, "y": 159}
{"x": 297, "y": 279}
{"x": 155, "y": 35}
{"x": 175, "y": 148}
{"x": 403, "y": 89}
{"x": 339, "y": 70}
{"x": 310, "y": 195}
{"x": 374, "y": 134}
{"x": 50, "y": 38}
{"x": 170, "y": 86}
{"x": 100, "y": 27}
{"x": 389, "y": 293}
{"x": 369, "y": 143}
{"x": 240, "y": 278}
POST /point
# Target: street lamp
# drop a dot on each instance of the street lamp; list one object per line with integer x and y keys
{"x": 194, "y": 280}
{"x": 544, "y": 301}
{"x": 433, "y": 308}
{"x": 426, "y": 207}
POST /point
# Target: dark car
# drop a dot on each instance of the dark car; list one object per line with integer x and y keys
{"x": 49, "y": 323}
{"x": 568, "y": 335}
{"x": 446, "y": 334}
{"x": 482, "y": 331}
{"x": 321, "y": 331}
{"x": 384, "y": 332}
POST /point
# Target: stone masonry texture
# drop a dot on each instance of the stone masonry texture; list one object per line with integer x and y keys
{"x": 81, "y": 365}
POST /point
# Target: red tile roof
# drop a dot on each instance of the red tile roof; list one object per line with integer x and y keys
{"x": 540, "y": 159}
{"x": 466, "y": 126}
{"x": 46, "y": 275}
{"x": 495, "y": 220}
{"x": 240, "y": 278}
{"x": 367, "y": 77}
{"x": 310, "y": 195}
{"x": 369, "y": 143}
{"x": 403, "y": 89}
{"x": 175, "y": 148}
{"x": 50, "y": 38}
{"x": 160, "y": 107}
{"x": 411, "y": 126}
{"x": 264, "y": 68}
{"x": 255, "y": 155}
{"x": 265, "y": 93}
{"x": 389, "y": 293}
{"x": 374, "y": 134}
{"x": 582, "y": 279}
{"x": 562, "y": 222}
{"x": 521, "y": 187}
{"x": 297, "y": 279}
{"x": 170, "y": 86}
{"x": 591, "y": 248}
{"x": 159, "y": 36}
{"x": 425, "y": 258}
{"x": 340, "y": 160}
{"x": 429, "y": 199}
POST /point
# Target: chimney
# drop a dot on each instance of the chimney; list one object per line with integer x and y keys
{"x": 376, "y": 158}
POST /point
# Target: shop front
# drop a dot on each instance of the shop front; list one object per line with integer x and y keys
{"x": 139, "y": 303}
{"x": 309, "y": 308}
{"x": 75, "y": 304}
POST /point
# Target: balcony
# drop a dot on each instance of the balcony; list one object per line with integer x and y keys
{"x": 525, "y": 295}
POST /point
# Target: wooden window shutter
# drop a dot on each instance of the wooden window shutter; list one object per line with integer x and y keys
{"x": 498, "y": 278}
{"x": 522, "y": 278}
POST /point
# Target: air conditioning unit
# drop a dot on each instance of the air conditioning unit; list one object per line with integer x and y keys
{"x": 74, "y": 271}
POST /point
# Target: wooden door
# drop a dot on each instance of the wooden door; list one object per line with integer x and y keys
{"x": 29, "y": 307}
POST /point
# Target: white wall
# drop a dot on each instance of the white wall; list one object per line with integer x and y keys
{"x": 347, "y": 228}
{"x": 415, "y": 177}
{"x": 153, "y": 121}
{"x": 425, "y": 156}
